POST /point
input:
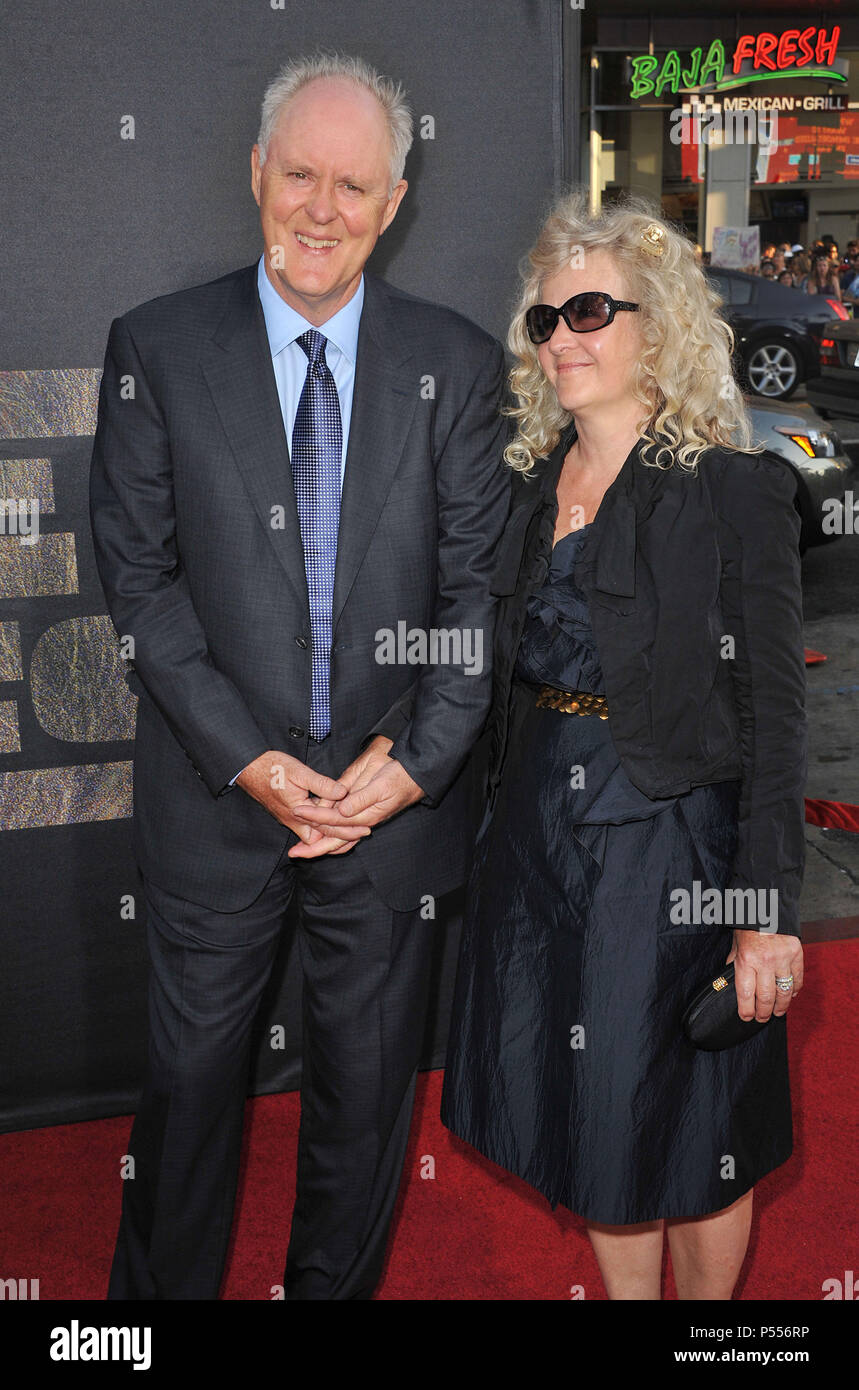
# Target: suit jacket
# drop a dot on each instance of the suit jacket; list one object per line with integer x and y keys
{"x": 198, "y": 546}
{"x": 682, "y": 563}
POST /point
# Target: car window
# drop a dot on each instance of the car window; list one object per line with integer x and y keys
{"x": 733, "y": 289}
{"x": 741, "y": 291}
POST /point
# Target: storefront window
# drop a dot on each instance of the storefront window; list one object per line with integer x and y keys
{"x": 777, "y": 149}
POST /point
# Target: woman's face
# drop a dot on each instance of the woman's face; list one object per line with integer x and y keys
{"x": 591, "y": 372}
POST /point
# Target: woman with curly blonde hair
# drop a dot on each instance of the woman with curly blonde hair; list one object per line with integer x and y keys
{"x": 645, "y": 759}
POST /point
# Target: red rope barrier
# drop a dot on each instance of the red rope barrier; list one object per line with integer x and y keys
{"x": 832, "y": 815}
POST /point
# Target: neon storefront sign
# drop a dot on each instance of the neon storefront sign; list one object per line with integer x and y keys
{"x": 807, "y": 52}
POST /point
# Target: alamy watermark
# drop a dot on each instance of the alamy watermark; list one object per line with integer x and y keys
{"x": 706, "y": 121}
{"x": 743, "y": 907}
{"x": 434, "y": 646}
{"x": 19, "y": 516}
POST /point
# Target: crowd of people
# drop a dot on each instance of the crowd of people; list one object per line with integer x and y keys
{"x": 818, "y": 269}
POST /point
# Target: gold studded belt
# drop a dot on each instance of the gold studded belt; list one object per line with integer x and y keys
{"x": 571, "y": 701}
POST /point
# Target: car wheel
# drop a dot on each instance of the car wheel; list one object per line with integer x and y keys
{"x": 773, "y": 369}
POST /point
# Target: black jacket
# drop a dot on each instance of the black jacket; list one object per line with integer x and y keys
{"x": 683, "y": 561}
{"x": 187, "y": 479}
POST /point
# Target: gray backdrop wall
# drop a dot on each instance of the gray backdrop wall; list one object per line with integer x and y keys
{"x": 92, "y": 224}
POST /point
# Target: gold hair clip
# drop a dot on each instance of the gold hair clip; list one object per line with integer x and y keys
{"x": 651, "y": 239}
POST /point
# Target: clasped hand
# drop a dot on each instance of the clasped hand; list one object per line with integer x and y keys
{"x": 328, "y": 816}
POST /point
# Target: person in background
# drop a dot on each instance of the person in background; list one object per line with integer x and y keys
{"x": 850, "y": 278}
{"x": 823, "y": 277}
{"x": 767, "y": 270}
{"x": 800, "y": 265}
{"x": 784, "y": 277}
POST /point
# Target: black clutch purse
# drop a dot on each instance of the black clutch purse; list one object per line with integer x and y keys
{"x": 710, "y": 1020}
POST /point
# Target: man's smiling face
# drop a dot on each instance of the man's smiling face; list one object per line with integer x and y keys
{"x": 323, "y": 194}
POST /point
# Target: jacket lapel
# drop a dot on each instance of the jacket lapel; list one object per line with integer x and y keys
{"x": 238, "y": 368}
{"x": 383, "y": 404}
{"x": 625, "y": 505}
{"x": 615, "y": 524}
{"x": 239, "y": 371}
{"x": 615, "y": 542}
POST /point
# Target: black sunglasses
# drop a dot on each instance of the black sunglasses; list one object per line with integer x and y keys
{"x": 584, "y": 313}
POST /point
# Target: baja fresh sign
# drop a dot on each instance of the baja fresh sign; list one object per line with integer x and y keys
{"x": 810, "y": 52}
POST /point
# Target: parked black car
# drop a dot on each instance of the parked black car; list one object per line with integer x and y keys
{"x": 835, "y": 393}
{"x": 779, "y": 331}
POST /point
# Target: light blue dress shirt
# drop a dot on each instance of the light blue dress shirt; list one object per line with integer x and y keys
{"x": 283, "y": 325}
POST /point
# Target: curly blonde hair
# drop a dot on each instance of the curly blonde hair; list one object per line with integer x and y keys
{"x": 684, "y": 380}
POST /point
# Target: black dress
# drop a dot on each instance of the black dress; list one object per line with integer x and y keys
{"x": 566, "y": 1063}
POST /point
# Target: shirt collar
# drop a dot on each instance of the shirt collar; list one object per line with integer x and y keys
{"x": 284, "y": 324}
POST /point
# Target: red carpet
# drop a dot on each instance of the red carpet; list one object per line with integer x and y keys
{"x": 471, "y": 1232}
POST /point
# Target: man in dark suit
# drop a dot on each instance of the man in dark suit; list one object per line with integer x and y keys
{"x": 296, "y": 490}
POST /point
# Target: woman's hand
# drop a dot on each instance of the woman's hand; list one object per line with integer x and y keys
{"x": 758, "y": 958}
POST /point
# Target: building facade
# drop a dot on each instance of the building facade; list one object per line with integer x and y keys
{"x": 740, "y": 119}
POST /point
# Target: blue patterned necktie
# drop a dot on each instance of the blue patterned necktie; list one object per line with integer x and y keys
{"x": 317, "y": 446}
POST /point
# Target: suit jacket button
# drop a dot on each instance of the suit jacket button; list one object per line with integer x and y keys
{"x": 301, "y": 642}
{"x": 295, "y": 732}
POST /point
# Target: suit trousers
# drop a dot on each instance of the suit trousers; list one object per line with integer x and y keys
{"x": 366, "y": 972}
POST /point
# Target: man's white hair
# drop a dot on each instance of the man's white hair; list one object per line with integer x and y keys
{"x": 297, "y": 72}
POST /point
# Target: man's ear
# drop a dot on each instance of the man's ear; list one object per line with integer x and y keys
{"x": 256, "y": 173}
{"x": 393, "y": 203}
